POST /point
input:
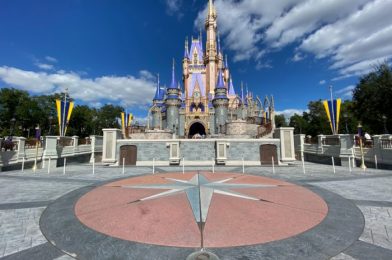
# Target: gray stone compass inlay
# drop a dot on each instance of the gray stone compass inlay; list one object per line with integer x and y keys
{"x": 199, "y": 191}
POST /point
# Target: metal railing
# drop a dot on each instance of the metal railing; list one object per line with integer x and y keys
{"x": 386, "y": 144}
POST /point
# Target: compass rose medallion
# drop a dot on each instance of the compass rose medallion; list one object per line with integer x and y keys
{"x": 199, "y": 191}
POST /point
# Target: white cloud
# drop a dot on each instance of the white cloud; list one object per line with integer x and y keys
{"x": 322, "y": 82}
{"x": 290, "y": 112}
{"x": 298, "y": 57}
{"x": 173, "y": 8}
{"x": 346, "y": 92}
{"x": 51, "y": 59}
{"x": 263, "y": 65}
{"x": 44, "y": 66}
{"x": 126, "y": 91}
{"x": 350, "y": 34}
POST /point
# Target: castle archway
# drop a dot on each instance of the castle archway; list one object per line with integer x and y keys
{"x": 196, "y": 128}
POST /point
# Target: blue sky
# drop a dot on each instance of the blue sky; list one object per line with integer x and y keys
{"x": 110, "y": 51}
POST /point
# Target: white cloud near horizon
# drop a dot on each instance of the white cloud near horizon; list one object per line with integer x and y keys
{"x": 127, "y": 91}
{"x": 353, "y": 35}
{"x": 288, "y": 113}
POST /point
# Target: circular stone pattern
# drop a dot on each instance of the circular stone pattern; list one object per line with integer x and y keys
{"x": 200, "y": 209}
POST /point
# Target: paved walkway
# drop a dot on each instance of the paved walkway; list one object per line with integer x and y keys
{"x": 25, "y": 195}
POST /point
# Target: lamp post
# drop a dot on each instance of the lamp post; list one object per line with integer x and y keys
{"x": 345, "y": 120}
{"x": 384, "y": 119}
{"x": 38, "y": 137}
{"x": 50, "y": 124}
{"x": 363, "y": 166}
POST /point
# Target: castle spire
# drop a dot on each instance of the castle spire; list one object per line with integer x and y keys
{"x": 186, "y": 51}
{"x": 219, "y": 45}
{"x": 231, "y": 88}
{"x": 242, "y": 92}
{"x": 173, "y": 82}
{"x": 158, "y": 90}
{"x": 221, "y": 83}
{"x": 211, "y": 8}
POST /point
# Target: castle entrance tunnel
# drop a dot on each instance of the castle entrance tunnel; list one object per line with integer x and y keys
{"x": 196, "y": 128}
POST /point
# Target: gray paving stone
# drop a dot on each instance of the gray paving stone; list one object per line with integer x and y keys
{"x": 22, "y": 225}
{"x": 342, "y": 256}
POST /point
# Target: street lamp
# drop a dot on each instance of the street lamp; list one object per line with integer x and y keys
{"x": 38, "y": 137}
{"x": 345, "y": 116}
{"x": 363, "y": 166}
{"x": 50, "y": 125}
{"x": 384, "y": 119}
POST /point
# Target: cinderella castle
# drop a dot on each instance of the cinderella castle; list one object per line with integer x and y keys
{"x": 206, "y": 103}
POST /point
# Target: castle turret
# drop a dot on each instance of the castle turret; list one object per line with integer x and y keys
{"x": 156, "y": 110}
{"x": 221, "y": 103}
{"x": 173, "y": 103}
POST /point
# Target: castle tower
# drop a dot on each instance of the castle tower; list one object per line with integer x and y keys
{"x": 173, "y": 103}
{"x": 211, "y": 57}
{"x": 221, "y": 103}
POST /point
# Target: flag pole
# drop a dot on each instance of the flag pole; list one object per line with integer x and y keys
{"x": 65, "y": 107}
{"x": 333, "y": 112}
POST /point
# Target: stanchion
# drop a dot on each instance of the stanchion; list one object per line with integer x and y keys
{"x": 213, "y": 166}
{"x": 123, "y": 165}
{"x": 23, "y": 163}
{"x": 353, "y": 154}
{"x": 50, "y": 159}
{"x": 153, "y": 165}
{"x": 303, "y": 165}
{"x": 65, "y": 165}
{"x": 273, "y": 165}
{"x": 94, "y": 166}
{"x": 183, "y": 165}
{"x": 333, "y": 165}
{"x": 243, "y": 165}
{"x": 349, "y": 163}
{"x": 375, "y": 161}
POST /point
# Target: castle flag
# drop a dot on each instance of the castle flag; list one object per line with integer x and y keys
{"x": 64, "y": 112}
{"x": 333, "y": 113}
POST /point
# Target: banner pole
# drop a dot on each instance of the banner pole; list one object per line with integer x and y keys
{"x": 333, "y": 112}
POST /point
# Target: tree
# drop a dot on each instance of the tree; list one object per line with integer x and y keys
{"x": 372, "y": 99}
{"x": 13, "y": 102}
{"x": 299, "y": 123}
{"x": 280, "y": 121}
{"x": 317, "y": 120}
{"x": 107, "y": 116}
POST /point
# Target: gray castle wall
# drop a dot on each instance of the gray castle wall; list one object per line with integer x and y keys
{"x": 199, "y": 152}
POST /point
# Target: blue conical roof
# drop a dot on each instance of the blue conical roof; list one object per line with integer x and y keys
{"x": 231, "y": 88}
{"x": 220, "y": 83}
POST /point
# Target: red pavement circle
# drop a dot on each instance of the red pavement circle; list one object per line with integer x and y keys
{"x": 288, "y": 210}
